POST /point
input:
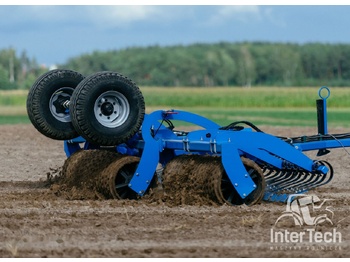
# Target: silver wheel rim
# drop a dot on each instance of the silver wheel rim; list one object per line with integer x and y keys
{"x": 57, "y": 109}
{"x": 111, "y": 109}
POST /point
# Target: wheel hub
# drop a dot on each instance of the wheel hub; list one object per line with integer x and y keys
{"x": 58, "y": 104}
{"x": 107, "y": 108}
{"x": 111, "y": 109}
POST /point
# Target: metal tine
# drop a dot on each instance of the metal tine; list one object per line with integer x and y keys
{"x": 279, "y": 174}
{"x": 286, "y": 175}
{"x": 330, "y": 173}
{"x": 273, "y": 175}
{"x": 320, "y": 179}
{"x": 278, "y": 186}
{"x": 308, "y": 178}
{"x": 319, "y": 183}
{"x": 268, "y": 172}
{"x": 295, "y": 181}
{"x": 296, "y": 175}
{"x": 314, "y": 181}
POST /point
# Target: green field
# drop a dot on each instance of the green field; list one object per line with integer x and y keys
{"x": 257, "y": 97}
{"x": 260, "y": 105}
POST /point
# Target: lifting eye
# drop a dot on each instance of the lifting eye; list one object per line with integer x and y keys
{"x": 328, "y": 92}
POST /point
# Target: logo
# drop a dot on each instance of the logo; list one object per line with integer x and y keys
{"x": 301, "y": 208}
{"x": 306, "y": 223}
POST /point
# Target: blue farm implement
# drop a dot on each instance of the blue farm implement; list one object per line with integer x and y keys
{"x": 234, "y": 164}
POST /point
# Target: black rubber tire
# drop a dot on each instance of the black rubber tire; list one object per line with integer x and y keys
{"x": 39, "y": 99}
{"x": 83, "y": 105}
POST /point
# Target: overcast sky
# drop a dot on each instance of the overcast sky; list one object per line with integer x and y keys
{"x": 53, "y": 34}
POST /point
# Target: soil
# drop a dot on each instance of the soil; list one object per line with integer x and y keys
{"x": 43, "y": 217}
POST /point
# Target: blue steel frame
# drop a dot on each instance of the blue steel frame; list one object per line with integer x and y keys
{"x": 156, "y": 143}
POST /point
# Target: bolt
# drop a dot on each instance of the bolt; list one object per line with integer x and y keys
{"x": 236, "y": 185}
{"x": 141, "y": 192}
{"x": 147, "y": 182}
{"x": 137, "y": 174}
{"x": 254, "y": 186}
{"x": 246, "y": 175}
{"x": 244, "y": 194}
{"x": 66, "y": 104}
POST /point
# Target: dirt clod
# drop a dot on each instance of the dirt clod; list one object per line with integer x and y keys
{"x": 77, "y": 180}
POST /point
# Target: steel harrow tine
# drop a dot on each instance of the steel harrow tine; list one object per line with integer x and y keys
{"x": 279, "y": 180}
{"x": 288, "y": 182}
{"x": 279, "y": 175}
{"x": 306, "y": 179}
{"x": 318, "y": 178}
{"x": 297, "y": 181}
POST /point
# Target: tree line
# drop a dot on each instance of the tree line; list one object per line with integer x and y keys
{"x": 203, "y": 65}
{"x": 226, "y": 64}
{"x": 18, "y": 71}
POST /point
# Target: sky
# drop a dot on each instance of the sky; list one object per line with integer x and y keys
{"x": 52, "y": 34}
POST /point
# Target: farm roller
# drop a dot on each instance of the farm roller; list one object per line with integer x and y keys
{"x": 101, "y": 119}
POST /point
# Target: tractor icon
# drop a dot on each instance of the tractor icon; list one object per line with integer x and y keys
{"x": 302, "y": 207}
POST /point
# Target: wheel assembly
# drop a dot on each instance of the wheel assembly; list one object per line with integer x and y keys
{"x": 196, "y": 179}
{"x": 82, "y": 169}
{"x": 114, "y": 180}
{"x": 107, "y": 108}
{"x": 229, "y": 193}
{"x": 48, "y": 103}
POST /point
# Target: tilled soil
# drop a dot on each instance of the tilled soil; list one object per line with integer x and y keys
{"x": 40, "y": 217}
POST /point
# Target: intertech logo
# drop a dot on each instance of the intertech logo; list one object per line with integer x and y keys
{"x": 301, "y": 208}
{"x": 311, "y": 221}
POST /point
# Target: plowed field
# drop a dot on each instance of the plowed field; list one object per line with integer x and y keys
{"x": 37, "y": 220}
